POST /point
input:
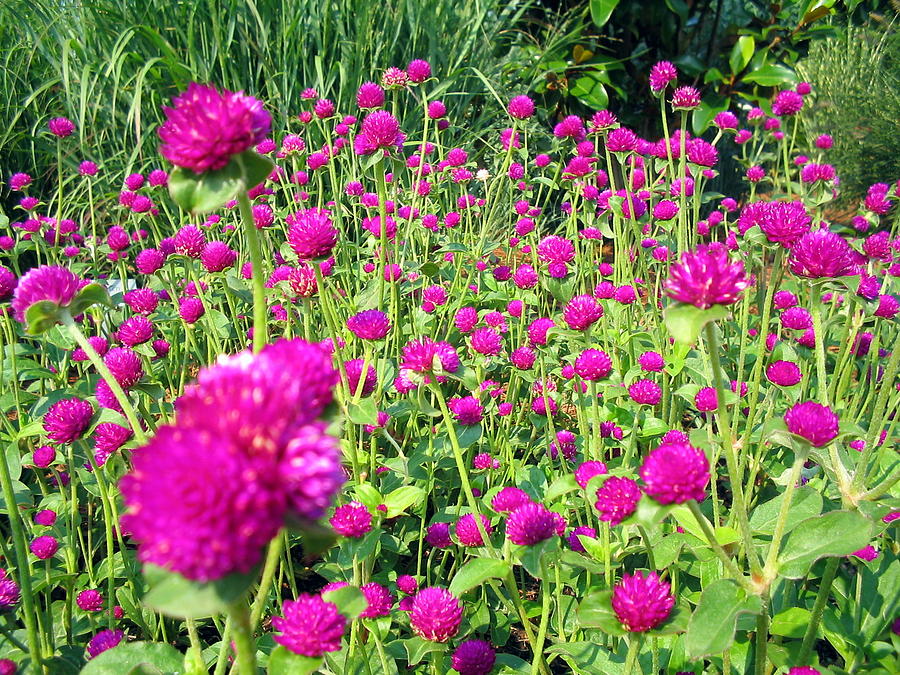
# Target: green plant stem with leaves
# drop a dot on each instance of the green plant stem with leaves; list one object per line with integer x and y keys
{"x": 260, "y": 329}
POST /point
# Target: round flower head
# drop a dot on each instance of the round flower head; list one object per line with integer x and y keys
{"x": 311, "y": 472}
{"x": 530, "y": 524}
{"x": 47, "y": 282}
{"x": 814, "y": 422}
{"x": 675, "y": 473}
{"x": 821, "y": 254}
{"x": 379, "y": 601}
{"x": 783, "y": 373}
{"x": 67, "y": 419}
{"x": 142, "y": 300}
{"x": 787, "y": 102}
{"x": 103, "y": 641}
{"x": 89, "y": 600}
{"x": 509, "y": 499}
{"x": 706, "y": 399}
{"x": 217, "y": 256}
{"x": 581, "y": 312}
{"x": 351, "y": 520}
{"x": 135, "y": 330}
{"x": 407, "y": 584}
{"x": 44, "y": 547}
{"x": 685, "y": 98}
{"x": 521, "y": 107}
{"x": 645, "y": 392}
{"x": 9, "y": 592}
{"x": 354, "y": 372}
{"x": 419, "y": 356}
{"x": 43, "y": 456}
{"x": 125, "y": 366}
{"x": 61, "y": 127}
{"x": 200, "y": 506}
{"x": 370, "y": 324}
{"x": 651, "y": 362}
{"x": 467, "y": 531}
{"x": 574, "y": 540}
{"x": 796, "y": 318}
{"x": 309, "y": 626}
{"x": 436, "y": 614}
{"x": 46, "y": 517}
{"x": 523, "y": 358}
{"x": 370, "y": 95}
{"x": 783, "y": 222}
{"x": 311, "y": 234}
{"x": 467, "y": 410}
{"x": 438, "y": 535}
{"x": 418, "y": 71}
{"x": 661, "y": 74}
{"x": 617, "y": 499}
{"x": 587, "y": 470}
{"x": 205, "y": 127}
{"x": 381, "y": 130}
{"x": 474, "y": 657}
{"x": 706, "y": 277}
{"x": 486, "y": 341}
{"x": 642, "y": 602}
{"x": 593, "y": 364}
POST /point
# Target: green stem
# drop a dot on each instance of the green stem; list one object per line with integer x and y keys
{"x": 786, "y": 500}
{"x": 537, "y": 658}
{"x": 716, "y": 546}
{"x": 273, "y": 556}
{"x": 244, "y": 644}
{"x": 634, "y": 648}
{"x": 815, "y": 618}
{"x": 821, "y": 385}
{"x": 260, "y": 336}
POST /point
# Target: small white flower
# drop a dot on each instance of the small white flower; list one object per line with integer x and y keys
{"x": 482, "y": 174}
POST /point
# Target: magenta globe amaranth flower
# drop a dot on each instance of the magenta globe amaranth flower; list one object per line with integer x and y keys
{"x": 617, "y": 499}
{"x": 706, "y": 277}
{"x": 438, "y": 535}
{"x": 593, "y": 364}
{"x": 474, "y": 657}
{"x": 645, "y": 392}
{"x": 44, "y": 547}
{"x": 581, "y": 312}
{"x": 9, "y": 592}
{"x": 370, "y": 324}
{"x": 509, "y": 499}
{"x": 783, "y": 373}
{"x": 47, "y": 282}
{"x": 67, "y": 419}
{"x": 786, "y": 103}
{"x": 468, "y": 532}
{"x": 587, "y": 470}
{"x": 217, "y": 256}
{"x": 436, "y": 614}
{"x": 425, "y": 355}
{"x": 467, "y": 410}
{"x": 675, "y": 473}
{"x": 685, "y": 98}
{"x": 379, "y": 601}
{"x": 379, "y": 129}
{"x": 815, "y": 422}
{"x": 311, "y": 233}
{"x": 783, "y": 222}
{"x": 352, "y": 520}
{"x": 521, "y": 107}
{"x": 661, "y": 74}
{"x": 821, "y": 254}
{"x": 309, "y": 626}
{"x": 61, "y": 127}
{"x": 205, "y": 127}
{"x": 104, "y": 641}
{"x": 530, "y": 524}
{"x": 642, "y": 602}
{"x": 89, "y": 600}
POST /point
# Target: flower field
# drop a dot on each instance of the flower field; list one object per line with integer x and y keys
{"x": 375, "y": 392}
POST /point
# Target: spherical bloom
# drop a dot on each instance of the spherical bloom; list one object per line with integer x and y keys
{"x": 796, "y": 318}
{"x": 530, "y": 524}
{"x": 205, "y": 127}
{"x": 8, "y": 283}
{"x": 525, "y": 276}
{"x": 200, "y": 506}
{"x": 438, "y": 535}
{"x": 642, "y": 602}
{"x": 821, "y": 254}
{"x": 486, "y": 341}
{"x": 103, "y": 641}
{"x": 665, "y": 210}
{"x": 394, "y": 77}
{"x": 617, "y": 499}
{"x": 554, "y": 249}
{"x": 814, "y": 422}
{"x": 309, "y": 626}
{"x": 407, "y": 584}
{"x": 651, "y": 362}
{"x": 581, "y": 312}
{"x": 311, "y": 233}
{"x": 45, "y": 517}
{"x": 190, "y": 309}
{"x": 125, "y": 365}
{"x": 521, "y": 107}
{"x": 149, "y": 260}
{"x": 622, "y": 139}
{"x": 787, "y": 102}
{"x": 142, "y": 300}
{"x": 43, "y": 456}
{"x": 436, "y": 614}
{"x": 419, "y": 356}
{"x": 61, "y": 127}
{"x": 370, "y": 324}
{"x": 706, "y": 277}
{"x": 109, "y": 437}
{"x": 474, "y": 657}
{"x": 9, "y": 592}
{"x": 135, "y": 330}
{"x": 370, "y": 95}
{"x": 379, "y": 600}
{"x": 888, "y": 307}
{"x": 593, "y": 364}
{"x": 755, "y": 174}
{"x": 351, "y": 520}
{"x": 523, "y": 358}
{"x": 47, "y": 282}
{"x": 509, "y": 499}
{"x": 661, "y": 74}
{"x": 44, "y": 547}
{"x": 675, "y": 473}
{"x": 726, "y": 121}
{"x": 783, "y": 373}
{"x": 436, "y": 110}
{"x": 380, "y": 129}
{"x": 467, "y": 531}
{"x": 217, "y": 256}
{"x": 67, "y": 419}
{"x": 418, "y": 71}
{"x": 19, "y": 181}
{"x": 685, "y": 98}
{"x": 89, "y": 600}
{"x": 645, "y": 392}
{"x": 706, "y": 399}
{"x": 784, "y": 222}
{"x": 483, "y": 461}
{"x": 466, "y": 410}
{"x": 311, "y": 472}
{"x": 588, "y": 470}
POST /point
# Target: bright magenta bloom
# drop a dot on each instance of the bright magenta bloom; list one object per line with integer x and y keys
{"x": 822, "y": 254}
{"x": 309, "y": 626}
{"x": 47, "y": 282}
{"x": 311, "y": 233}
{"x": 675, "y": 473}
{"x": 436, "y": 614}
{"x": 642, "y": 602}
{"x": 816, "y": 423}
{"x": 205, "y": 127}
{"x": 706, "y": 277}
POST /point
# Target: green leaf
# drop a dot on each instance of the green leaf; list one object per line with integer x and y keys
{"x": 201, "y": 193}
{"x": 588, "y": 658}
{"x": 684, "y": 322}
{"x": 364, "y": 412}
{"x": 401, "y": 499}
{"x": 791, "y": 623}
{"x": 838, "y": 533}
{"x": 285, "y": 662}
{"x": 601, "y": 10}
{"x": 562, "y": 485}
{"x": 172, "y": 594}
{"x": 741, "y": 53}
{"x": 127, "y": 656}
{"x": 709, "y": 107}
{"x": 806, "y": 503}
{"x": 476, "y": 572}
{"x": 534, "y": 558}
{"x": 595, "y": 611}
{"x": 90, "y": 295}
{"x": 41, "y": 317}
{"x": 418, "y": 648}
{"x": 711, "y": 628}
{"x": 772, "y": 75}
{"x": 350, "y": 600}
